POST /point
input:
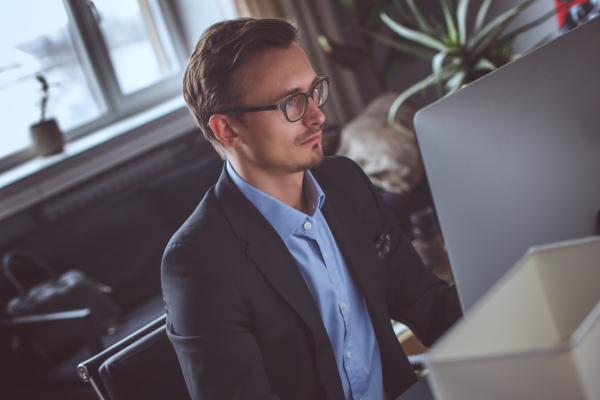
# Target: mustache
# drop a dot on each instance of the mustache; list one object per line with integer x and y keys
{"x": 309, "y": 133}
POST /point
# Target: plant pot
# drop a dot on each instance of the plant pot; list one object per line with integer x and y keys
{"x": 47, "y": 138}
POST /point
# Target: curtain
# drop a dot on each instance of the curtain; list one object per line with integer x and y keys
{"x": 314, "y": 17}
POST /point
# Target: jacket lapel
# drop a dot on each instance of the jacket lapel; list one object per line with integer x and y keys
{"x": 269, "y": 253}
{"x": 349, "y": 230}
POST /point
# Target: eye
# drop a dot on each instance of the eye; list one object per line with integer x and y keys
{"x": 291, "y": 102}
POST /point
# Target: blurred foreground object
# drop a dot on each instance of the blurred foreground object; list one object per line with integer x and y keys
{"x": 538, "y": 329}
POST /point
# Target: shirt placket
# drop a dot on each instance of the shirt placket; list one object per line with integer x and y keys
{"x": 352, "y": 366}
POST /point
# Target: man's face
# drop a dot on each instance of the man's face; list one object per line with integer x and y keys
{"x": 270, "y": 141}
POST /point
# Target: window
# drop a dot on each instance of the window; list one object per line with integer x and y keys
{"x": 104, "y": 60}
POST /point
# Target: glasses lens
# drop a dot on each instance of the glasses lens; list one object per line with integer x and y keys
{"x": 321, "y": 92}
{"x": 295, "y": 106}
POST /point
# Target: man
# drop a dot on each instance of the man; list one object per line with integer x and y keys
{"x": 282, "y": 283}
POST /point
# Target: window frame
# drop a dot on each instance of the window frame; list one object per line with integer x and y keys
{"x": 93, "y": 55}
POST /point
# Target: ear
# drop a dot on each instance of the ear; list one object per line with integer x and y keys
{"x": 223, "y": 129}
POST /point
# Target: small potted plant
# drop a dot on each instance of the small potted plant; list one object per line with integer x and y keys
{"x": 46, "y": 135}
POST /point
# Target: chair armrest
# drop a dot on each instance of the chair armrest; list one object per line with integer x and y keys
{"x": 80, "y": 320}
{"x": 89, "y": 368}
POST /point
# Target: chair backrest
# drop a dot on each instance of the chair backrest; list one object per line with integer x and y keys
{"x": 147, "y": 369}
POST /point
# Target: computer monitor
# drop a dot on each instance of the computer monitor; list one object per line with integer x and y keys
{"x": 513, "y": 159}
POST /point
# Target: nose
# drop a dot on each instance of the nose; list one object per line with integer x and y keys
{"x": 313, "y": 114}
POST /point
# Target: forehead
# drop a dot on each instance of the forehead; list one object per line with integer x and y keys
{"x": 271, "y": 72}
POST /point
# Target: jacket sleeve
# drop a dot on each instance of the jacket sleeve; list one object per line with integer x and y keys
{"x": 207, "y": 323}
{"x": 416, "y": 297}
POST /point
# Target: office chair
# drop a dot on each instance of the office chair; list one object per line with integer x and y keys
{"x": 143, "y": 365}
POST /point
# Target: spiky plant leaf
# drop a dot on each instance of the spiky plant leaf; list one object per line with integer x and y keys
{"x": 421, "y": 23}
{"x": 436, "y": 65}
{"x": 481, "y": 15}
{"x": 404, "y": 14}
{"x": 456, "y": 81}
{"x": 512, "y": 35}
{"x": 484, "y": 65}
{"x": 501, "y": 21}
{"x": 413, "y": 35}
{"x": 448, "y": 71}
{"x": 448, "y": 15}
{"x": 408, "y": 47}
{"x": 461, "y": 17}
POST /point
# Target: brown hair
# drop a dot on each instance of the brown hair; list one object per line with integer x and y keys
{"x": 208, "y": 81}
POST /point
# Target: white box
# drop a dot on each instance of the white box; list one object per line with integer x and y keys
{"x": 534, "y": 335}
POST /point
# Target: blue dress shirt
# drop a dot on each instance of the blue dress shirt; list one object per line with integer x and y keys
{"x": 338, "y": 298}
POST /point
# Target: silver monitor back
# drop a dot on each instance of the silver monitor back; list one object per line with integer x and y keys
{"x": 513, "y": 159}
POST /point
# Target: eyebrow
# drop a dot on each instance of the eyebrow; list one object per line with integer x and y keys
{"x": 295, "y": 90}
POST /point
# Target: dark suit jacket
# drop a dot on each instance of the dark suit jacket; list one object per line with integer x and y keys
{"x": 241, "y": 317}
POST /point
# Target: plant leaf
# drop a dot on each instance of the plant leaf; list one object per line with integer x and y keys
{"x": 455, "y": 82}
{"x": 486, "y": 35}
{"x": 510, "y": 36}
{"x": 419, "y": 19}
{"x": 461, "y": 17}
{"x": 481, "y": 15}
{"x": 484, "y": 65}
{"x": 439, "y": 28}
{"x": 452, "y": 34}
{"x": 415, "y": 36}
{"x": 408, "y": 18}
{"x": 436, "y": 65}
{"x": 407, "y": 47}
{"x": 422, "y": 85}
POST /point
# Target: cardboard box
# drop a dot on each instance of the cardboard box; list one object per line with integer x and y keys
{"x": 534, "y": 335}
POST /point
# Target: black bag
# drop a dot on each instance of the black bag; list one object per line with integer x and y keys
{"x": 72, "y": 290}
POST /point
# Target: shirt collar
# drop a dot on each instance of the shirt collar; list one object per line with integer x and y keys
{"x": 283, "y": 218}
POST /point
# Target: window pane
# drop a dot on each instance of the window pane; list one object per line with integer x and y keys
{"x": 35, "y": 38}
{"x": 140, "y": 49}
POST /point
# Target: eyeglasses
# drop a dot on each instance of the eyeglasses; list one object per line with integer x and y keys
{"x": 294, "y": 106}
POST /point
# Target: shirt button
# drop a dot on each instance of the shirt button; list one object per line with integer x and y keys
{"x": 343, "y": 305}
{"x": 325, "y": 255}
{"x": 307, "y": 226}
{"x": 348, "y": 354}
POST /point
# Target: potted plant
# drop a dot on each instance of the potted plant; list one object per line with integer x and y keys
{"x": 458, "y": 55}
{"x": 46, "y": 135}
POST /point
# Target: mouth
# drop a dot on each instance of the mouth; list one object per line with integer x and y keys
{"x": 316, "y": 138}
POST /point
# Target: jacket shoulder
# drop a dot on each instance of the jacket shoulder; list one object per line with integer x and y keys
{"x": 339, "y": 168}
{"x": 206, "y": 223}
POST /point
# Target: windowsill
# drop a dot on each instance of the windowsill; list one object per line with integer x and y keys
{"x": 37, "y": 179}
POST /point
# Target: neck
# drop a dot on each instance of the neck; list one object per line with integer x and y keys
{"x": 285, "y": 187}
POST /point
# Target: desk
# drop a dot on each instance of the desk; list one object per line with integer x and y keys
{"x": 418, "y": 391}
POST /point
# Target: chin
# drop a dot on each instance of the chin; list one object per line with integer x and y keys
{"x": 315, "y": 159}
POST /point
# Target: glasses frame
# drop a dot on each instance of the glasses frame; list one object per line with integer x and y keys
{"x": 281, "y": 106}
